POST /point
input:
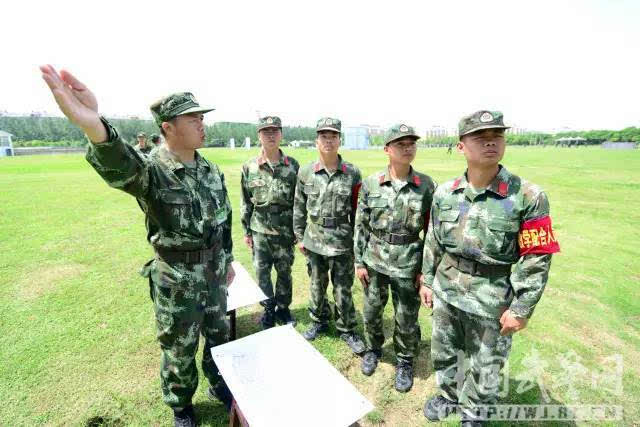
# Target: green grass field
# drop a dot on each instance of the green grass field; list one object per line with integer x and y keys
{"x": 78, "y": 334}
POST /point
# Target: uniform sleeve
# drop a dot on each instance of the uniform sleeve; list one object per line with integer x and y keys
{"x": 362, "y": 227}
{"x": 299, "y": 209}
{"x": 120, "y": 164}
{"x": 530, "y": 274}
{"x": 227, "y": 240}
{"x": 246, "y": 205}
{"x": 433, "y": 250}
{"x": 426, "y": 206}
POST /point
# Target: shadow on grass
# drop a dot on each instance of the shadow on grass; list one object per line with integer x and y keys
{"x": 211, "y": 413}
{"x": 99, "y": 421}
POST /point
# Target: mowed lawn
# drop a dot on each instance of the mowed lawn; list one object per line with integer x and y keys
{"x": 77, "y": 341}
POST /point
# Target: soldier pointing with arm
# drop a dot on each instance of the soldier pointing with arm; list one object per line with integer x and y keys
{"x": 188, "y": 220}
{"x": 486, "y": 262}
{"x": 393, "y": 208}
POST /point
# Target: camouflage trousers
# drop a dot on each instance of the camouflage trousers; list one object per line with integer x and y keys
{"x": 340, "y": 268}
{"x": 277, "y": 252}
{"x": 468, "y": 354}
{"x": 406, "y": 305}
{"x": 188, "y": 300}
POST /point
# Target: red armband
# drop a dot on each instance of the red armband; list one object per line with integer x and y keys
{"x": 354, "y": 197}
{"x": 536, "y": 237}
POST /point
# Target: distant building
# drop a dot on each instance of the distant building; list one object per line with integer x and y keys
{"x": 570, "y": 141}
{"x": 619, "y": 145}
{"x": 437, "y": 131}
{"x": 303, "y": 144}
{"x": 374, "y": 130}
{"x": 355, "y": 138}
{"x": 6, "y": 146}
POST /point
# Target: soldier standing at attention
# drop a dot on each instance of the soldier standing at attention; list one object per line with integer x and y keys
{"x": 486, "y": 263}
{"x": 142, "y": 145}
{"x": 393, "y": 208}
{"x": 327, "y": 191}
{"x": 268, "y": 187}
{"x": 188, "y": 220}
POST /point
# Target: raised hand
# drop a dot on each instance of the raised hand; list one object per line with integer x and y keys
{"x": 76, "y": 102}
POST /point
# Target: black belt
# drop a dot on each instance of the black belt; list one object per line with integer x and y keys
{"x": 396, "y": 239}
{"x": 330, "y": 222}
{"x": 188, "y": 257}
{"x": 274, "y": 208}
{"x": 475, "y": 268}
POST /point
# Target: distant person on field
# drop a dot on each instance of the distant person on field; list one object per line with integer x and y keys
{"x": 143, "y": 146}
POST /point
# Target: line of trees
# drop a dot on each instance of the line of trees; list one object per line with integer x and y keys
{"x": 59, "y": 132}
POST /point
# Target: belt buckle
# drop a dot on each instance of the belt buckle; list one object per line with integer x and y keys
{"x": 395, "y": 239}
{"x": 329, "y": 222}
{"x": 466, "y": 265}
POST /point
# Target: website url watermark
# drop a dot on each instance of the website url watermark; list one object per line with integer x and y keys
{"x": 541, "y": 412}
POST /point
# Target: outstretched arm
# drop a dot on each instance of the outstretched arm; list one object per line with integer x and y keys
{"x": 76, "y": 101}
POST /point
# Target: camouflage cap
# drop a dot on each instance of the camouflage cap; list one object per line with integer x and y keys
{"x": 175, "y": 105}
{"x": 155, "y": 137}
{"x": 142, "y": 135}
{"x": 328, "y": 123}
{"x": 399, "y": 131}
{"x": 269, "y": 122}
{"x": 480, "y": 120}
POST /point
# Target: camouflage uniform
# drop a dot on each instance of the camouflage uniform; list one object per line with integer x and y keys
{"x": 388, "y": 244}
{"x": 147, "y": 146}
{"x": 267, "y": 216}
{"x": 486, "y": 251}
{"x": 329, "y": 199}
{"x": 188, "y": 220}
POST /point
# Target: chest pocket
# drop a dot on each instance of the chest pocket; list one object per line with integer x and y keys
{"x": 342, "y": 200}
{"x": 502, "y": 236}
{"x": 176, "y": 212}
{"x": 415, "y": 217}
{"x": 448, "y": 219}
{"x": 312, "y": 192}
{"x": 259, "y": 191}
{"x": 380, "y": 214}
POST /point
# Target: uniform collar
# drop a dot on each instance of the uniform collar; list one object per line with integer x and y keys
{"x": 172, "y": 161}
{"x": 284, "y": 160}
{"x": 318, "y": 166}
{"x": 412, "y": 178}
{"x": 499, "y": 185}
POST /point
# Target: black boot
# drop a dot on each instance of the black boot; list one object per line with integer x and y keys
{"x": 222, "y": 393}
{"x": 315, "y": 329}
{"x": 268, "y": 319}
{"x": 404, "y": 376}
{"x": 284, "y": 317}
{"x": 439, "y": 407}
{"x": 353, "y": 341}
{"x": 185, "y": 417}
{"x": 369, "y": 362}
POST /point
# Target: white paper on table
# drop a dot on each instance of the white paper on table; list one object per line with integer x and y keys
{"x": 243, "y": 290}
{"x": 278, "y": 379}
